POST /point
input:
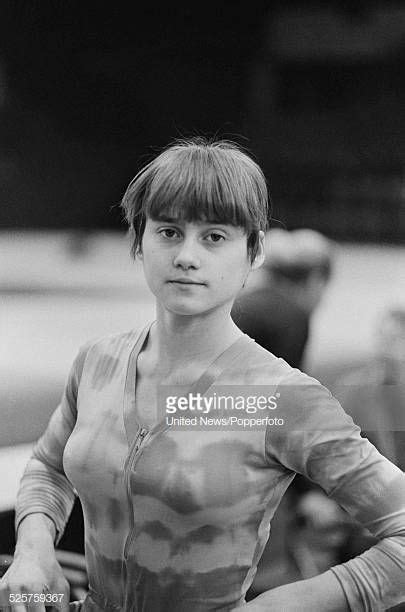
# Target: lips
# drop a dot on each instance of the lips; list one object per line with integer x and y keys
{"x": 185, "y": 281}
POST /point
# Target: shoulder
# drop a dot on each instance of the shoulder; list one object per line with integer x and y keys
{"x": 256, "y": 365}
{"x": 301, "y": 395}
{"x": 261, "y": 365}
{"x": 113, "y": 342}
{"x": 107, "y": 349}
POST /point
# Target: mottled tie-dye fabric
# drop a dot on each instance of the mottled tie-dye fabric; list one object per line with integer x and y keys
{"x": 176, "y": 521}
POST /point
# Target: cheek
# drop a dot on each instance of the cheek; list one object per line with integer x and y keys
{"x": 154, "y": 260}
{"x": 153, "y": 267}
{"x": 233, "y": 273}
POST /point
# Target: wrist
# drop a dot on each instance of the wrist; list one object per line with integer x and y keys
{"x": 35, "y": 531}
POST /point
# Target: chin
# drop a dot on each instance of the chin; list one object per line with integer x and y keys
{"x": 181, "y": 308}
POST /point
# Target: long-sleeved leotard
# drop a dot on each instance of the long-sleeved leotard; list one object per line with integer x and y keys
{"x": 177, "y": 519}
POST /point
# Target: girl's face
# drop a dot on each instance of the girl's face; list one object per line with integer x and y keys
{"x": 195, "y": 267}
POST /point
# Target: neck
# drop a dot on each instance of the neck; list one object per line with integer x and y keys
{"x": 178, "y": 340}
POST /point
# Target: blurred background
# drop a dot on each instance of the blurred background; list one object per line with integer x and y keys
{"x": 89, "y": 92}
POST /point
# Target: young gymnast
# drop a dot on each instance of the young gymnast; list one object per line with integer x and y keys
{"x": 176, "y": 519}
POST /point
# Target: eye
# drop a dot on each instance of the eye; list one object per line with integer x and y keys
{"x": 168, "y": 232}
{"x": 214, "y": 237}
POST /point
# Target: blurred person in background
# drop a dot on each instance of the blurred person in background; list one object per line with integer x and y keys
{"x": 177, "y": 519}
{"x": 277, "y": 313}
{"x": 374, "y": 394}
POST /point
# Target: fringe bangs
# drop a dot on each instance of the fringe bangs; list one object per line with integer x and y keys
{"x": 199, "y": 180}
{"x": 203, "y": 185}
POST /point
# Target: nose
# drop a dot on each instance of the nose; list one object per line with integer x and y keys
{"x": 187, "y": 256}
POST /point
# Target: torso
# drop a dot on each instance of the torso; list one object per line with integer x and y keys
{"x": 146, "y": 389}
{"x": 179, "y": 522}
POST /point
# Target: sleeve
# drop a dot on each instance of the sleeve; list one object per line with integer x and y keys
{"x": 44, "y": 486}
{"x": 320, "y": 441}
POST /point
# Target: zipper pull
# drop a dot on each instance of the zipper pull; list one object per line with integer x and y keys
{"x": 141, "y": 436}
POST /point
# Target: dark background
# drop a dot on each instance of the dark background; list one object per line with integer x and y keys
{"x": 88, "y": 92}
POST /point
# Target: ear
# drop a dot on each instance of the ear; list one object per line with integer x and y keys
{"x": 259, "y": 259}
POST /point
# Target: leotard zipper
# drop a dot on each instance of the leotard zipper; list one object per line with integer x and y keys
{"x": 133, "y": 455}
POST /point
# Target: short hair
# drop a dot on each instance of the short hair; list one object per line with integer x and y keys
{"x": 199, "y": 180}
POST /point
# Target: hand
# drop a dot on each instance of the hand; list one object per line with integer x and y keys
{"x": 36, "y": 574}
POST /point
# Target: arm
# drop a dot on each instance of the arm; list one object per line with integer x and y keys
{"x": 44, "y": 488}
{"x": 321, "y": 593}
{"x": 320, "y": 441}
{"x": 44, "y": 502}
